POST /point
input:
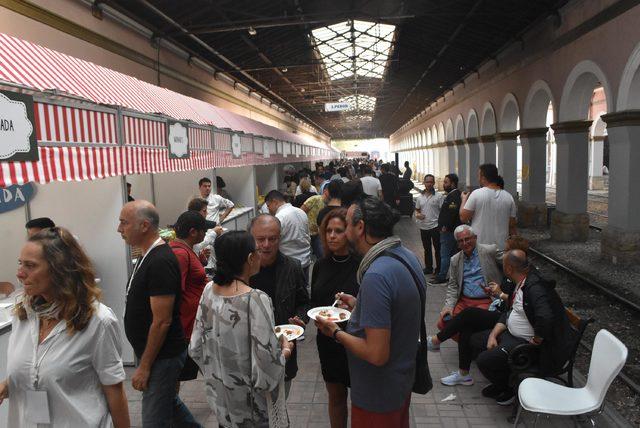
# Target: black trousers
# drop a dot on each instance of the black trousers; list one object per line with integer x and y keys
{"x": 429, "y": 237}
{"x": 466, "y": 323}
{"x": 493, "y": 363}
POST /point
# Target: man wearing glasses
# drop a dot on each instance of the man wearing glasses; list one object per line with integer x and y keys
{"x": 470, "y": 272}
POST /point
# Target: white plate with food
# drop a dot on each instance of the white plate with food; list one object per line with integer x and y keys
{"x": 330, "y": 313}
{"x": 290, "y": 331}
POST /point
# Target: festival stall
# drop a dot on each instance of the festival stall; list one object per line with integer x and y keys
{"x": 73, "y": 134}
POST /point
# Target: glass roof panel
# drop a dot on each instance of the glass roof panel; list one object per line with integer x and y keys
{"x": 359, "y": 103}
{"x": 360, "y": 45}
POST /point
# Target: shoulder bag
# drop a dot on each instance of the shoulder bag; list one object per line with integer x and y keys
{"x": 422, "y": 383}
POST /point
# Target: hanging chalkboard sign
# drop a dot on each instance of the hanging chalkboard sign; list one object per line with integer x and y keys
{"x": 17, "y": 129}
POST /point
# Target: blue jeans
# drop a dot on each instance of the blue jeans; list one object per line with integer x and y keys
{"x": 161, "y": 405}
{"x": 448, "y": 247}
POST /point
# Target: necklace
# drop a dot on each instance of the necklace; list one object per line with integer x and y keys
{"x": 346, "y": 258}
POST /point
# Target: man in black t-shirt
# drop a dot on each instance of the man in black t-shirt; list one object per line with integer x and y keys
{"x": 448, "y": 220}
{"x": 390, "y": 186}
{"x": 151, "y": 319}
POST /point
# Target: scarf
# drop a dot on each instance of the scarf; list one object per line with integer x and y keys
{"x": 374, "y": 252}
{"x": 36, "y": 306}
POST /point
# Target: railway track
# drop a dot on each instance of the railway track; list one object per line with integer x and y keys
{"x": 628, "y": 311}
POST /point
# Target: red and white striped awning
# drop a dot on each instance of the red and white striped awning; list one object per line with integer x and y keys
{"x": 37, "y": 67}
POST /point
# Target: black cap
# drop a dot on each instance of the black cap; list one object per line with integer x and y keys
{"x": 191, "y": 220}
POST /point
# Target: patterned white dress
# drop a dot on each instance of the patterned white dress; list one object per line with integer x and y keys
{"x": 239, "y": 368}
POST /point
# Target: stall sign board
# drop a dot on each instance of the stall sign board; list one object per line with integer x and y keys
{"x": 336, "y": 106}
{"x": 178, "y": 141}
{"x": 16, "y": 196}
{"x": 17, "y": 130}
{"x": 236, "y": 146}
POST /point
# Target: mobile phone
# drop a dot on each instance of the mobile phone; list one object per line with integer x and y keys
{"x": 447, "y": 318}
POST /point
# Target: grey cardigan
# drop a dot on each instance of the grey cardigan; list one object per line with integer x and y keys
{"x": 490, "y": 258}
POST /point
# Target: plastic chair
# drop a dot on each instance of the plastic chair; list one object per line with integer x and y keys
{"x": 541, "y": 396}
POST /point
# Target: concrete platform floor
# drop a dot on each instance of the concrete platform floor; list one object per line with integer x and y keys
{"x": 307, "y": 403}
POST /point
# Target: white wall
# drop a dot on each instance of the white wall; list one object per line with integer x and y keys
{"x": 90, "y": 210}
{"x": 141, "y": 186}
{"x": 174, "y": 190}
{"x": 266, "y": 178}
{"x": 241, "y": 184}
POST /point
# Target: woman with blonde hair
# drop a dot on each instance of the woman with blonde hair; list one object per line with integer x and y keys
{"x": 334, "y": 273}
{"x": 65, "y": 365}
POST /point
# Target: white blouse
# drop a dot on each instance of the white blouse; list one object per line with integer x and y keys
{"x": 73, "y": 369}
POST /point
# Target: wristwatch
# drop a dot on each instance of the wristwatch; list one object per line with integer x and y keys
{"x": 335, "y": 334}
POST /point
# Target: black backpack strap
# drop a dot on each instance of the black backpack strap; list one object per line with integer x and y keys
{"x": 421, "y": 292}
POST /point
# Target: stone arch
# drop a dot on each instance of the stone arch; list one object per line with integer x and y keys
{"x": 536, "y": 106}
{"x": 629, "y": 90}
{"x": 472, "y": 124}
{"x": 578, "y": 90}
{"x": 441, "y": 133}
{"x": 509, "y": 114}
{"x": 448, "y": 133}
{"x": 488, "y": 124}
{"x": 459, "y": 133}
{"x": 429, "y": 138}
{"x": 434, "y": 135}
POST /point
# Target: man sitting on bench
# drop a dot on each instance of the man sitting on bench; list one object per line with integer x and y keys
{"x": 537, "y": 316}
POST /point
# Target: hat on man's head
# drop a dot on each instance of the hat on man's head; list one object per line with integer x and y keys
{"x": 191, "y": 220}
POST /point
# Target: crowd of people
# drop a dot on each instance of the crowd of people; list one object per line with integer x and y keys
{"x": 207, "y": 303}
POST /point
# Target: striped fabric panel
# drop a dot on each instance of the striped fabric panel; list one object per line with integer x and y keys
{"x": 144, "y": 132}
{"x": 61, "y": 124}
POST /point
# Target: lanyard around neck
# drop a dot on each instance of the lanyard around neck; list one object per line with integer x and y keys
{"x": 156, "y": 243}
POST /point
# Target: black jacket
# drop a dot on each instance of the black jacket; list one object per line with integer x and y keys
{"x": 291, "y": 299}
{"x": 450, "y": 212}
{"x": 546, "y": 314}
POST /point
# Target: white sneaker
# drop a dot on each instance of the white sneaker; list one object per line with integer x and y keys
{"x": 455, "y": 378}
{"x": 432, "y": 347}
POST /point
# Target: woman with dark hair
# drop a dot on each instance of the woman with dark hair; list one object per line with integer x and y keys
{"x": 65, "y": 365}
{"x": 234, "y": 343}
{"x": 335, "y": 273}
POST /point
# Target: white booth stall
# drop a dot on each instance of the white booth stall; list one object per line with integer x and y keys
{"x": 85, "y": 142}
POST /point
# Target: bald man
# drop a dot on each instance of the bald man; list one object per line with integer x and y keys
{"x": 282, "y": 278}
{"x": 151, "y": 319}
{"x": 536, "y": 316}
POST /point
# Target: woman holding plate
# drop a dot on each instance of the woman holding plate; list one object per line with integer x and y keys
{"x": 234, "y": 342}
{"x": 335, "y": 273}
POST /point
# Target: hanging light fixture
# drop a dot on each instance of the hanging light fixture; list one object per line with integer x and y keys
{"x": 252, "y": 31}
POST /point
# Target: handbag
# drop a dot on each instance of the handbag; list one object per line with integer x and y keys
{"x": 422, "y": 382}
{"x": 276, "y": 399}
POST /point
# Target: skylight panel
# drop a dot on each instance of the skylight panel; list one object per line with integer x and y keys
{"x": 359, "y": 102}
{"x": 354, "y": 46}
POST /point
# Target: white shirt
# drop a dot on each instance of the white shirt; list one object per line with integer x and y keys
{"x": 312, "y": 189}
{"x": 492, "y": 210}
{"x": 72, "y": 371}
{"x": 294, "y": 236}
{"x": 518, "y": 323}
{"x": 371, "y": 185}
{"x": 429, "y": 205}
{"x": 217, "y": 204}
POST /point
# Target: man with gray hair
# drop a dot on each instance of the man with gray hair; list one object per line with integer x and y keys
{"x": 282, "y": 278}
{"x": 151, "y": 319}
{"x": 470, "y": 272}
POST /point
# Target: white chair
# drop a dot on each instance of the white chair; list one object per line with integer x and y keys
{"x": 541, "y": 396}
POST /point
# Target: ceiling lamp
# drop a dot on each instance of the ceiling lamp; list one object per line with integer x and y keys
{"x": 252, "y": 31}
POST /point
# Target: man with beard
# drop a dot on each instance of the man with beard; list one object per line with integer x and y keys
{"x": 381, "y": 357}
{"x": 448, "y": 220}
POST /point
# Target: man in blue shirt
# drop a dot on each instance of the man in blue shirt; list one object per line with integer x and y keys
{"x": 381, "y": 335}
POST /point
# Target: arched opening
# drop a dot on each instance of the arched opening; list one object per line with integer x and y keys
{"x": 507, "y": 149}
{"x": 598, "y": 144}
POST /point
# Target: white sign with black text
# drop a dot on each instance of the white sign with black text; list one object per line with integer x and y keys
{"x": 178, "y": 141}
{"x": 16, "y": 128}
